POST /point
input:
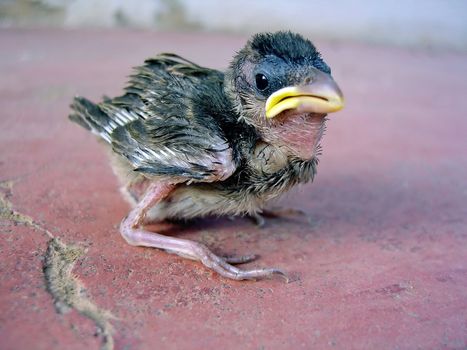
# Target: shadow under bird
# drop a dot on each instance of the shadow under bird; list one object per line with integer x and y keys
{"x": 188, "y": 141}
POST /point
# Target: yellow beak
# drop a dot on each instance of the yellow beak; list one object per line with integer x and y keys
{"x": 322, "y": 96}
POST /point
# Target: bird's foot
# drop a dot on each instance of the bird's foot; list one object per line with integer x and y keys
{"x": 197, "y": 251}
{"x": 282, "y": 212}
{"x": 259, "y": 218}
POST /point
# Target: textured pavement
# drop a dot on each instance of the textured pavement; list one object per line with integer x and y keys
{"x": 379, "y": 260}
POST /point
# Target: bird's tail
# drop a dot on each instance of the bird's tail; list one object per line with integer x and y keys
{"x": 92, "y": 117}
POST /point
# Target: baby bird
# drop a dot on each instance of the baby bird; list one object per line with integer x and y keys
{"x": 188, "y": 141}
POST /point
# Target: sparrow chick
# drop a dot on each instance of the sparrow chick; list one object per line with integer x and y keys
{"x": 188, "y": 141}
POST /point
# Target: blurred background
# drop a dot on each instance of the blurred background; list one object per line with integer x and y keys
{"x": 412, "y": 23}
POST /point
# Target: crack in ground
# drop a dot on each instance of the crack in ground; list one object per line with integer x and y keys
{"x": 67, "y": 290}
{"x": 8, "y": 213}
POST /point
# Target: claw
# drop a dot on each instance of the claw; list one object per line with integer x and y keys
{"x": 222, "y": 267}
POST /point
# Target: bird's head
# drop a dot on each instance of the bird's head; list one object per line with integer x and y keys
{"x": 280, "y": 84}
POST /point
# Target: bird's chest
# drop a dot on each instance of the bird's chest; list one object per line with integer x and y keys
{"x": 271, "y": 170}
{"x": 267, "y": 174}
{"x": 266, "y": 159}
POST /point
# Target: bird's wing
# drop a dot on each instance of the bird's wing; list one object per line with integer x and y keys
{"x": 160, "y": 128}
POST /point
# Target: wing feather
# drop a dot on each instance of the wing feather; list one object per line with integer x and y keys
{"x": 157, "y": 126}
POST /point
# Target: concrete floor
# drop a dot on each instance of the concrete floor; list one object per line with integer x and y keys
{"x": 379, "y": 260}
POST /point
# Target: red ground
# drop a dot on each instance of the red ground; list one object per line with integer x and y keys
{"x": 380, "y": 259}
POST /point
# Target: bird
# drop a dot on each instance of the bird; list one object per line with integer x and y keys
{"x": 187, "y": 141}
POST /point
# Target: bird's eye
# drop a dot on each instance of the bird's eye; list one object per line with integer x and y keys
{"x": 261, "y": 82}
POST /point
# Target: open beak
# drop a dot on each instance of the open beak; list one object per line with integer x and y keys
{"x": 322, "y": 96}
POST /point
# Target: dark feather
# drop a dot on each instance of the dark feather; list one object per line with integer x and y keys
{"x": 159, "y": 124}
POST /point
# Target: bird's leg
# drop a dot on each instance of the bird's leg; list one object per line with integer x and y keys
{"x": 131, "y": 229}
{"x": 259, "y": 218}
{"x": 281, "y": 212}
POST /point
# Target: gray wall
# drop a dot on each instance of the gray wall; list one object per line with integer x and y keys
{"x": 420, "y": 23}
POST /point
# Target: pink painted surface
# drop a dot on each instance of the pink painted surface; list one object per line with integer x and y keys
{"x": 380, "y": 259}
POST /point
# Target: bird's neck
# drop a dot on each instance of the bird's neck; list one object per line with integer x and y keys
{"x": 297, "y": 136}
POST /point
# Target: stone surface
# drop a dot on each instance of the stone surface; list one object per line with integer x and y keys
{"x": 379, "y": 260}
